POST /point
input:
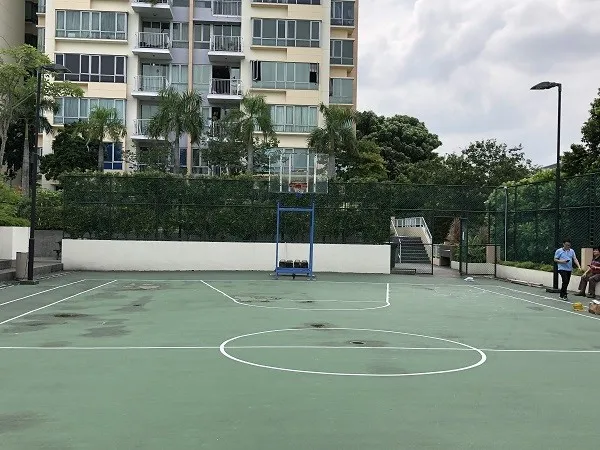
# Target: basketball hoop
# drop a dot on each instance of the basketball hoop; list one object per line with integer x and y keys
{"x": 298, "y": 187}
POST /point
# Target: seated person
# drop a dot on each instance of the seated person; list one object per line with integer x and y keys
{"x": 591, "y": 276}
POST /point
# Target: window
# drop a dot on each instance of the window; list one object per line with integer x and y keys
{"x": 91, "y": 24}
{"x": 113, "y": 156}
{"x": 179, "y": 77}
{"x": 282, "y": 75}
{"x": 341, "y": 91}
{"x": 41, "y": 40}
{"x": 342, "y": 13}
{"x": 179, "y": 34}
{"x": 286, "y": 33}
{"x": 75, "y": 109}
{"x": 203, "y": 3}
{"x": 201, "y": 74}
{"x": 93, "y": 68}
{"x": 342, "y": 52}
{"x": 293, "y": 118}
{"x": 202, "y": 36}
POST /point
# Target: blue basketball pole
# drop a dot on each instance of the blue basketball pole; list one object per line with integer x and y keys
{"x": 307, "y": 271}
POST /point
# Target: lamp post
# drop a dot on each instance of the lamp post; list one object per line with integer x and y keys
{"x": 540, "y": 87}
{"x": 33, "y": 164}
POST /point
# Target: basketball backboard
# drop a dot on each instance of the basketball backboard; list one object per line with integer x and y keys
{"x": 299, "y": 171}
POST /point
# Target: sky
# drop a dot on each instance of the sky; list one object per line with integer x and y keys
{"x": 465, "y": 68}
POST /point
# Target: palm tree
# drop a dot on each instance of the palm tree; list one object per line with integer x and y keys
{"x": 336, "y": 136}
{"x": 103, "y": 122}
{"x": 253, "y": 116}
{"x": 178, "y": 113}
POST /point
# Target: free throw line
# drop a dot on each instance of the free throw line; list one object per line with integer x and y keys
{"x": 41, "y": 292}
{"x": 387, "y": 302}
{"x": 55, "y": 303}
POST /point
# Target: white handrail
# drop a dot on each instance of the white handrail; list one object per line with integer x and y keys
{"x": 415, "y": 222}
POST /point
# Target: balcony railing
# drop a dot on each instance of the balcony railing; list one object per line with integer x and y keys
{"x": 146, "y": 83}
{"x": 154, "y": 2}
{"x": 227, "y": 8}
{"x": 293, "y": 128}
{"x": 141, "y": 126}
{"x": 150, "y": 40}
{"x": 341, "y": 99}
{"x": 231, "y": 44}
{"x": 225, "y": 87}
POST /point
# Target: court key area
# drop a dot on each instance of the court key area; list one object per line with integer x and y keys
{"x": 230, "y": 361}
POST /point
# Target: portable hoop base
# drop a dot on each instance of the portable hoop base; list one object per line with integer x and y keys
{"x": 293, "y": 271}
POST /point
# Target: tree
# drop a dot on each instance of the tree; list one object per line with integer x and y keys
{"x": 178, "y": 113}
{"x": 364, "y": 164}
{"x": 18, "y": 87}
{"x": 102, "y": 122}
{"x": 153, "y": 157}
{"x": 70, "y": 152}
{"x": 585, "y": 158}
{"x": 254, "y": 116}
{"x": 9, "y": 201}
{"x": 337, "y": 136}
{"x": 488, "y": 163}
{"x": 402, "y": 139}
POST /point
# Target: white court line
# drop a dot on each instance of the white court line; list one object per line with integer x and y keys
{"x": 589, "y": 316}
{"x": 305, "y": 347}
{"x": 545, "y": 297}
{"x": 55, "y": 303}
{"x": 387, "y": 302}
{"x": 41, "y": 292}
{"x": 318, "y": 300}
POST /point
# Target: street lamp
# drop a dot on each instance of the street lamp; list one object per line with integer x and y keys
{"x": 33, "y": 166}
{"x": 540, "y": 87}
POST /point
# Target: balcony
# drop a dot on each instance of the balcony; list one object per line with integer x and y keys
{"x": 148, "y": 87}
{"x": 140, "y": 130}
{"x": 154, "y": 9}
{"x": 225, "y": 91}
{"x": 153, "y": 46}
{"x": 228, "y": 8}
{"x": 339, "y": 22}
{"x": 226, "y": 49}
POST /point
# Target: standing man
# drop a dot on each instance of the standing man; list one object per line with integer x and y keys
{"x": 564, "y": 257}
{"x": 591, "y": 275}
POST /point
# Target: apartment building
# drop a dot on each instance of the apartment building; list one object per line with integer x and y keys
{"x": 18, "y": 23}
{"x": 297, "y": 53}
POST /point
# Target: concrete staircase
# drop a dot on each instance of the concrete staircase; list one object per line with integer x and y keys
{"x": 41, "y": 266}
{"x": 412, "y": 251}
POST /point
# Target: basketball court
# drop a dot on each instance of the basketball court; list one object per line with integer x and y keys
{"x": 246, "y": 361}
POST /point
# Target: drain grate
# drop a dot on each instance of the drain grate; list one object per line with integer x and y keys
{"x": 357, "y": 342}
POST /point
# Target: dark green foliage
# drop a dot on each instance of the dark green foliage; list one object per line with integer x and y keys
{"x": 585, "y": 158}
{"x": 70, "y": 152}
{"x": 49, "y": 209}
{"x": 9, "y": 201}
{"x": 217, "y": 209}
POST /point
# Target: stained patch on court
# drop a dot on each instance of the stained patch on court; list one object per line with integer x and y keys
{"x": 19, "y": 421}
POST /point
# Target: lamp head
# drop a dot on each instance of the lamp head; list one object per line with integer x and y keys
{"x": 545, "y": 85}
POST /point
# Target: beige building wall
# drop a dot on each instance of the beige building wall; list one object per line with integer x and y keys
{"x": 12, "y": 23}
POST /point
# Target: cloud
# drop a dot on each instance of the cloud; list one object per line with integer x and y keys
{"x": 465, "y": 67}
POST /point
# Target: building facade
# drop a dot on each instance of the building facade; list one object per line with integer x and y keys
{"x": 18, "y": 23}
{"x": 297, "y": 53}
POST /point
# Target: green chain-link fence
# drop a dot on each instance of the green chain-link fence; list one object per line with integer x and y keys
{"x": 211, "y": 209}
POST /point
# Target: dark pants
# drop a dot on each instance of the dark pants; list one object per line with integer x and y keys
{"x": 589, "y": 278}
{"x": 565, "y": 275}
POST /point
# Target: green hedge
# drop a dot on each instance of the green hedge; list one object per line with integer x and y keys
{"x": 9, "y": 202}
{"x": 162, "y": 207}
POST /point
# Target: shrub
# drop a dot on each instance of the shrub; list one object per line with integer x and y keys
{"x": 9, "y": 199}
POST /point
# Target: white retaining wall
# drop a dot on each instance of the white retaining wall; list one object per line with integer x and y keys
{"x": 188, "y": 256}
{"x": 13, "y": 240}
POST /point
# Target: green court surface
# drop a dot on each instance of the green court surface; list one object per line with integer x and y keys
{"x": 242, "y": 361}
